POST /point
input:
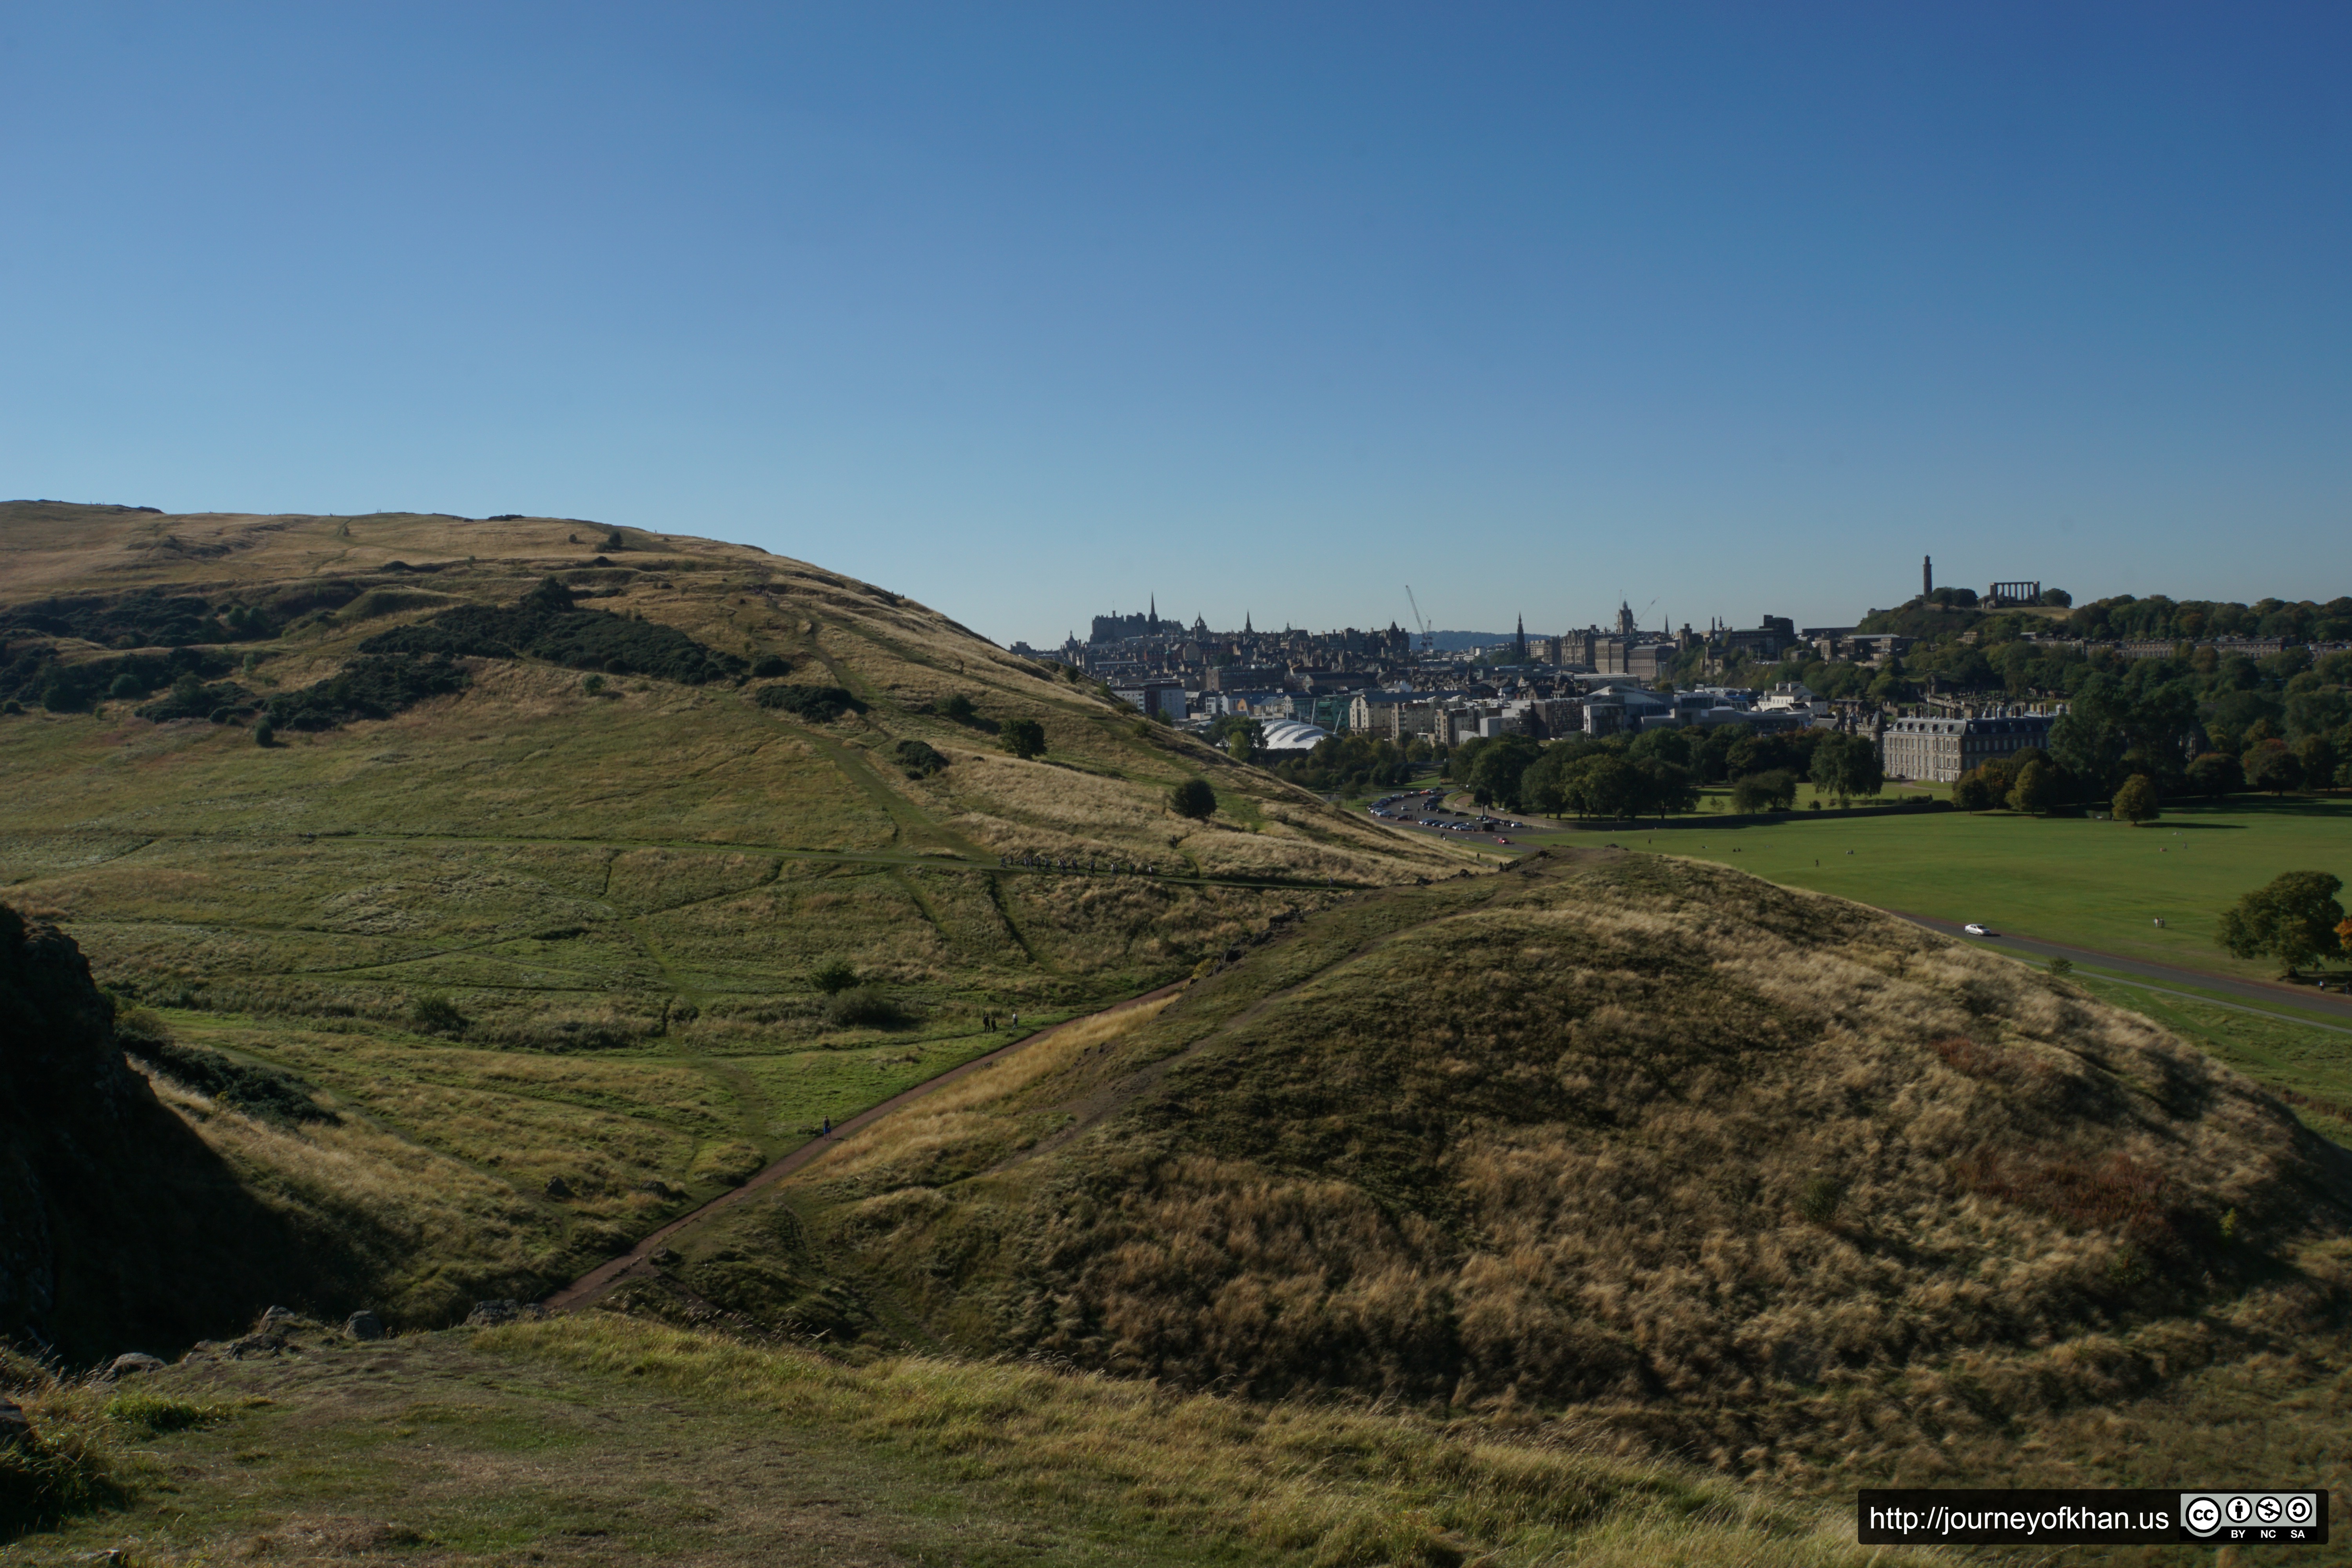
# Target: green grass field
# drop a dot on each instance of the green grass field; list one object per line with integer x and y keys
{"x": 2097, "y": 885}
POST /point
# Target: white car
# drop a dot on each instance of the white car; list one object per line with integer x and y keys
{"x": 1975, "y": 930}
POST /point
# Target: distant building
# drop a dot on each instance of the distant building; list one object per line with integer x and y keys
{"x": 1165, "y": 698}
{"x": 1938, "y": 750}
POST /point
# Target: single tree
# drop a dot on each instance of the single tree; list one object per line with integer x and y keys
{"x": 2035, "y": 791}
{"x": 2270, "y": 766}
{"x": 834, "y": 978}
{"x": 1024, "y": 738}
{"x": 1193, "y": 798}
{"x": 955, "y": 705}
{"x": 1970, "y": 792}
{"x": 2293, "y": 919}
{"x": 2318, "y": 755}
{"x": 1775, "y": 790}
{"x": 2135, "y": 802}
{"x": 2215, "y": 774}
{"x": 265, "y": 734}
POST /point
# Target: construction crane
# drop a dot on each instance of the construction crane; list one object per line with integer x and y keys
{"x": 1428, "y": 638}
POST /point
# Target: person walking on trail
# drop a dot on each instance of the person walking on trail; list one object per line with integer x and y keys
{"x": 828, "y": 1128}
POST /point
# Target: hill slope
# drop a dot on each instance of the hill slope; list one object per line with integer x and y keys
{"x": 532, "y": 889}
{"x": 1757, "y": 1176}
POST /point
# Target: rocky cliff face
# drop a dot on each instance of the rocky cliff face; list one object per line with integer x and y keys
{"x": 119, "y": 1229}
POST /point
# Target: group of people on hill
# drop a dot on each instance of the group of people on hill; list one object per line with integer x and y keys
{"x": 1089, "y": 865}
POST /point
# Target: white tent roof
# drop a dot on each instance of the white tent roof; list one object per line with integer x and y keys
{"x": 1293, "y": 735}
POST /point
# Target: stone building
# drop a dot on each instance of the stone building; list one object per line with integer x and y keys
{"x": 1938, "y": 750}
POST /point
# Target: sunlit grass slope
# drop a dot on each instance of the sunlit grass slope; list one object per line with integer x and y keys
{"x": 595, "y": 1438}
{"x": 621, "y": 888}
{"x": 1631, "y": 1143}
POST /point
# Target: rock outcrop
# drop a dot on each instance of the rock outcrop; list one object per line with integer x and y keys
{"x": 119, "y": 1228}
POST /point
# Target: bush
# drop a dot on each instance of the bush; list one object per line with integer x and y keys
{"x": 1024, "y": 738}
{"x": 958, "y": 706}
{"x": 2061, "y": 967}
{"x": 546, "y": 624}
{"x": 863, "y": 1006}
{"x": 374, "y": 686}
{"x": 767, "y": 667}
{"x": 436, "y": 1014}
{"x": 834, "y": 978}
{"x": 1193, "y": 798}
{"x": 265, "y": 734}
{"x": 918, "y": 760}
{"x": 817, "y": 704}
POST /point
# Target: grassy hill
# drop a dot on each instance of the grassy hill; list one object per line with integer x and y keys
{"x": 534, "y": 889}
{"x": 1628, "y": 1144}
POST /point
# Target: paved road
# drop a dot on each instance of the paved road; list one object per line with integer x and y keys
{"x": 639, "y": 1260}
{"x": 2169, "y": 975}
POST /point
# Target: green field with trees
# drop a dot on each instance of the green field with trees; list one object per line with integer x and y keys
{"x": 2102, "y": 885}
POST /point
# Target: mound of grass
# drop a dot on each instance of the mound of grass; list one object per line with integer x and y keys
{"x": 817, "y": 704}
{"x": 147, "y": 1413}
{"x": 546, "y": 624}
{"x": 1643, "y": 1142}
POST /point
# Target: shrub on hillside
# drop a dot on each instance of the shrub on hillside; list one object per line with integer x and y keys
{"x": 546, "y": 624}
{"x": 817, "y": 704}
{"x": 1024, "y": 738}
{"x": 863, "y": 1006}
{"x": 918, "y": 760}
{"x": 192, "y": 699}
{"x": 958, "y": 706}
{"x": 767, "y": 667}
{"x": 834, "y": 978}
{"x": 36, "y": 674}
{"x": 1193, "y": 798}
{"x": 370, "y": 686}
{"x": 435, "y": 1014}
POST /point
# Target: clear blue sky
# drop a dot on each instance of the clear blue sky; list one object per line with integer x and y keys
{"x": 1029, "y": 311}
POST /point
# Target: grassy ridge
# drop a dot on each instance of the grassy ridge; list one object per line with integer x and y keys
{"x": 631, "y": 869}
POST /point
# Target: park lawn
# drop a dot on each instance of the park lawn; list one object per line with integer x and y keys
{"x": 2096, "y": 885}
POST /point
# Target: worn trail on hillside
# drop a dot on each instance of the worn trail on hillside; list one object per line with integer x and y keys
{"x": 639, "y": 1260}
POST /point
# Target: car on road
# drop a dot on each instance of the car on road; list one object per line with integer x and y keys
{"x": 1975, "y": 930}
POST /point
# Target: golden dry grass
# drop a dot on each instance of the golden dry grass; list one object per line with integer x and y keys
{"x": 1774, "y": 1180}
